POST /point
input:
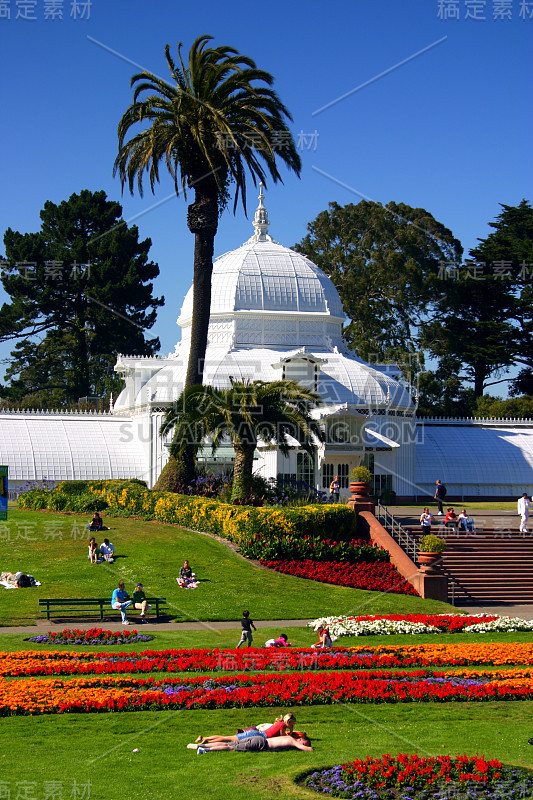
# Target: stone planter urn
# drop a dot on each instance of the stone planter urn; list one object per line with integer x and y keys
{"x": 427, "y": 561}
{"x": 360, "y": 496}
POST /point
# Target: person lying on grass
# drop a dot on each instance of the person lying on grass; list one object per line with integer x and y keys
{"x": 283, "y": 726}
{"x": 281, "y": 641}
{"x": 257, "y": 743}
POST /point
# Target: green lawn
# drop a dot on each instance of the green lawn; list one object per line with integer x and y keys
{"x": 99, "y": 748}
{"x": 473, "y": 506}
{"x": 63, "y": 753}
{"x": 300, "y": 636}
{"x": 53, "y": 548}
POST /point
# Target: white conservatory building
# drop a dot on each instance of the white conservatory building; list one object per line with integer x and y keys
{"x": 275, "y": 314}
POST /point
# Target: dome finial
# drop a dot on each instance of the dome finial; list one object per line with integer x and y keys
{"x": 261, "y": 221}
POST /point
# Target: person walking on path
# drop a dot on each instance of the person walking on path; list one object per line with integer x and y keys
{"x": 121, "y": 601}
{"x": 440, "y": 494}
{"x": 246, "y": 625}
{"x": 523, "y": 507}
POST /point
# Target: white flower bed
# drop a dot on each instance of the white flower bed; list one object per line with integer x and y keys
{"x": 354, "y": 626}
{"x": 501, "y": 625}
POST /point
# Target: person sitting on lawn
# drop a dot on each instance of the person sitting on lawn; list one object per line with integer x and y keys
{"x": 93, "y": 551}
{"x": 187, "y": 578}
{"x": 121, "y": 601}
{"x": 257, "y": 743}
{"x": 324, "y": 639}
{"x": 107, "y": 551}
{"x": 97, "y": 523}
{"x": 139, "y": 601}
{"x": 281, "y": 641}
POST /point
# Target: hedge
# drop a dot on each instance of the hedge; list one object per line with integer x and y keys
{"x": 245, "y": 525}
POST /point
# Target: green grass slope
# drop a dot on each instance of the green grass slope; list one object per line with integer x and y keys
{"x": 53, "y": 548}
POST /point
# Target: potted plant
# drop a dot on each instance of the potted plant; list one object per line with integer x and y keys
{"x": 431, "y": 548}
{"x": 360, "y": 475}
{"x": 360, "y": 488}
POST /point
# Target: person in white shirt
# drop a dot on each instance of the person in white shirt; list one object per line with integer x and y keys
{"x": 466, "y": 523}
{"x": 107, "y": 551}
{"x": 425, "y": 521}
{"x": 523, "y": 510}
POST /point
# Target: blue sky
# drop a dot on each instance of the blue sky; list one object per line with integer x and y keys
{"x": 448, "y": 129}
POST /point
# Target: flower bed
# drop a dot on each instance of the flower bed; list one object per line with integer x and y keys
{"x": 375, "y": 577}
{"x": 118, "y": 693}
{"x": 404, "y": 777}
{"x": 91, "y": 637}
{"x": 388, "y": 624}
{"x": 239, "y": 524}
{"x": 291, "y": 548}
{"x": 45, "y": 662}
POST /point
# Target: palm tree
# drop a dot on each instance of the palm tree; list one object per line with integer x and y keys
{"x": 274, "y": 412}
{"x": 217, "y": 118}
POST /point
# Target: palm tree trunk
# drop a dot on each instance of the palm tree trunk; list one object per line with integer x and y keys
{"x": 242, "y": 472}
{"x": 202, "y": 219}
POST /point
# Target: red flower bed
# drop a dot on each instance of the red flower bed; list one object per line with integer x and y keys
{"x": 405, "y": 777}
{"x": 28, "y": 696}
{"x": 376, "y": 577}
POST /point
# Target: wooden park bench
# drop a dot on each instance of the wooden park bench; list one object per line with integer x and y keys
{"x": 91, "y": 604}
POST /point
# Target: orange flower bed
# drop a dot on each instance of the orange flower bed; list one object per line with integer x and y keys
{"x": 58, "y": 662}
{"x": 122, "y": 693}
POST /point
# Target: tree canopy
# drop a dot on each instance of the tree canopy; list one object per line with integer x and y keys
{"x": 80, "y": 292}
{"x": 385, "y": 262}
{"x": 484, "y": 314}
{"x": 216, "y": 120}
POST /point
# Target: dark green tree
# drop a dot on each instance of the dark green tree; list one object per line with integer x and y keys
{"x": 485, "y": 317}
{"x": 214, "y": 120}
{"x": 80, "y": 292}
{"x": 385, "y": 262}
{"x": 274, "y": 412}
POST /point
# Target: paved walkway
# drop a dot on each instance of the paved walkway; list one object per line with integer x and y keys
{"x": 43, "y": 625}
{"x": 490, "y": 520}
{"x": 521, "y": 611}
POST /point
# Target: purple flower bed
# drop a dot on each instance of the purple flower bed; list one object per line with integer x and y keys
{"x": 92, "y": 637}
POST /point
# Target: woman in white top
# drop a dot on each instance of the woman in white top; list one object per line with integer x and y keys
{"x": 425, "y": 520}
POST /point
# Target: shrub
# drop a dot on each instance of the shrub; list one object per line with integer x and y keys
{"x": 34, "y": 500}
{"x": 240, "y": 524}
{"x": 361, "y": 475}
{"x": 73, "y": 487}
{"x": 432, "y": 544}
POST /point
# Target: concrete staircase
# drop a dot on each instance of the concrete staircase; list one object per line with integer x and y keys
{"x": 487, "y": 566}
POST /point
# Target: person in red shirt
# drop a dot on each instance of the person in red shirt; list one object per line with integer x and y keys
{"x": 451, "y": 520}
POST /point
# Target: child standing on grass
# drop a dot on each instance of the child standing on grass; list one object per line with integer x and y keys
{"x": 246, "y": 625}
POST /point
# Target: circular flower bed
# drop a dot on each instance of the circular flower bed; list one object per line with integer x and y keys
{"x": 406, "y": 777}
{"x": 93, "y": 636}
{"x": 389, "y": 624}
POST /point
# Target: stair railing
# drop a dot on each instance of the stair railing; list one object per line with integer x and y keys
{"x": 402, "y": 537}
{"x": 455, "y": 582}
